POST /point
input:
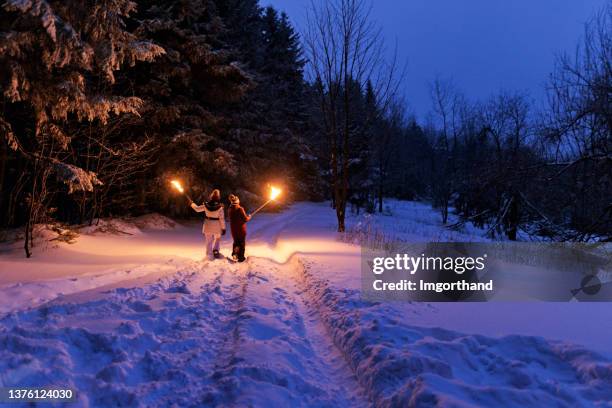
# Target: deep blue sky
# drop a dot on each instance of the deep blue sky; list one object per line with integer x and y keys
{"x": 483, "y": 45}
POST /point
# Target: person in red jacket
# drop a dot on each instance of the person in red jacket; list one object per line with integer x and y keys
{"x": 238, "y": 219}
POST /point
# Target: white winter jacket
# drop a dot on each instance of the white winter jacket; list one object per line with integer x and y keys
{"x": 214, "y": 221}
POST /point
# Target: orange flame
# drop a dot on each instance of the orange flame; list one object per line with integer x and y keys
{"x": 274, "y": 192}
{"x": 177, "y": 184}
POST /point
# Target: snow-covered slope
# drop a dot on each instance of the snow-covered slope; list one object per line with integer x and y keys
{"x": 141, "y": 320}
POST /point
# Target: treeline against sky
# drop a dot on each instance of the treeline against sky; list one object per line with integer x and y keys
{"x": 105, "y": 101}
{"x": 540, "y": 172}
{"x": 517, "y": 169}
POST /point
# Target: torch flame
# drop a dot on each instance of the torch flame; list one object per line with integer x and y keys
{"x": 176, "y": 184}
{"x": 274, "y": 192}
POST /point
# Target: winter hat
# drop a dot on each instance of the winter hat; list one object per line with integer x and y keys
{"x": 234, "y": 199}
{"x": 215, "y": 195}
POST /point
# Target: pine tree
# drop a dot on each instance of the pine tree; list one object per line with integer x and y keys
{"x": 242, "y": 18}
{"x": 272, "y": 120}
{"x": 283, "y": 68}
{"x": 58, "y": 61}
{"x": 188, "y": 90}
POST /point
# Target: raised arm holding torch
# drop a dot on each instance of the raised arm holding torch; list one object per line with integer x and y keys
{"x": 177, "y": 185}
{"x": 274, "y": 192}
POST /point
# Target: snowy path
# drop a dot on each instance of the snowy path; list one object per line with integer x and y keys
{"x": 207, "y": 333}
{"x": 286, "y": 328}
{"x": 276, "y": 350}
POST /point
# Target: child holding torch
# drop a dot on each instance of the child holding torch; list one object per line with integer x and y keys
{"x": 238, "y": 219}
{"x": 214, "y": 223}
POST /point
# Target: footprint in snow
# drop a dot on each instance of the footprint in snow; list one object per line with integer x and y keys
{"x": 140, "y": 307}
{"x": 182, "y": 288}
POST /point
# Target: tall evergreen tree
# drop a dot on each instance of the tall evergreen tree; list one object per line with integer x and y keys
{"x": 188, "y": 91}
{"x": 57, "y": 67}
{"x": 271, "y": 121}
{"x": 244, "y": 34}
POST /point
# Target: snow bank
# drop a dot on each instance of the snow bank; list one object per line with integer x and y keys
{"x": 115, "y": 226}
{"x": 405, "y": 365}
{"x": 408, "y": 221}
{"x": 119, "y": 347}
{"x": 155, "y": 222}
{"x": 129, "y": 226}
{"x": 27, "y": 295}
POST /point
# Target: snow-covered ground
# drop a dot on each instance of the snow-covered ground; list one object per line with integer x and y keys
{"x": 131, "y": 315}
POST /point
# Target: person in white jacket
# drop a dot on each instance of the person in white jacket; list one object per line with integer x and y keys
{"x": 214, "y": 223}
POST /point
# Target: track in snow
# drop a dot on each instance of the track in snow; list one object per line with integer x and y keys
{"x": 208, "y": 334}
{"x": 276, "y": 350}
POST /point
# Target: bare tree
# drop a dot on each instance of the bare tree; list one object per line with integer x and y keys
{"x": 506, "y": 118}
{"x": 345, "y": 47}
{"x": 386, "y": 144}
{"x": 489, "y": 187}
{"x": 449, "y": 108}
{"x": 579, "y": 125}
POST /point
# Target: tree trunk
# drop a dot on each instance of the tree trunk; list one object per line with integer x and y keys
{"x": 28, "y": 234}
{"x": 341, "y": 211}
{"x": 3, "y": 197}
{"x": 381, "y": 180}
{"x": 380, "y": 197}
{"x": 340, "y": 214}
{"x": 513, "y": 219}
{"x": 445, "y": 212}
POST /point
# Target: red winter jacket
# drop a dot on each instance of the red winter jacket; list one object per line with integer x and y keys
{"x": 238, "y": 219}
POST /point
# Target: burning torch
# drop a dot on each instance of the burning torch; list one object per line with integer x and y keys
{"x": 177, "y": 185}
{"x": 274, "y": 192}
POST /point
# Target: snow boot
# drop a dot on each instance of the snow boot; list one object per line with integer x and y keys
{"x": 217, "y": 255}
